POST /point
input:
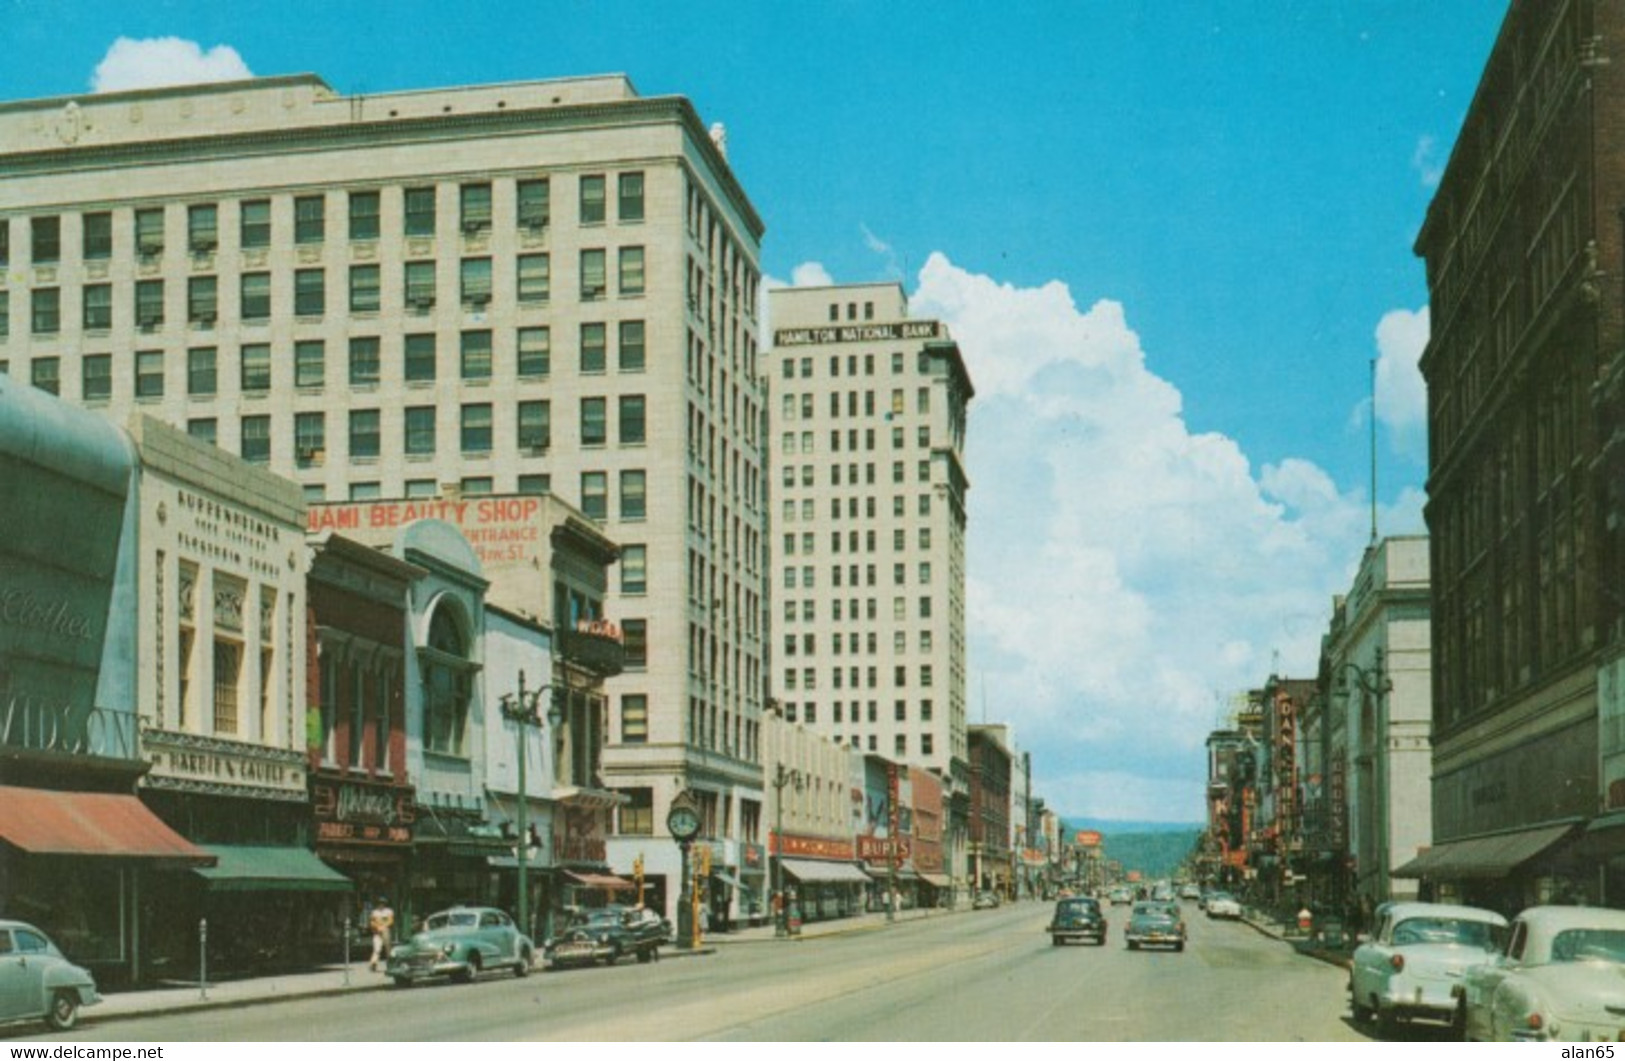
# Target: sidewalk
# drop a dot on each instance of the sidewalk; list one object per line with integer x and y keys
{"x": 1288, "y": 932}
{"x": 334, "y": 980}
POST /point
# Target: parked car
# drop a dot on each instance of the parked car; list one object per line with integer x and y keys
{"x": 1415, "y": 958}
{"x": 461, "y": 943}
{"x": 1077, "y": 918}
{"x": 37, "y": 982}
{"x": 1155, "y": 924}
{"x": 985, "y": 901}
{"x": 607, "y": 934}
{"x": 1122, "y": 897}
{"x": 1558, "y": 979}
{"x": 1190, "y": 891}
{"x": 1223, "y": 905}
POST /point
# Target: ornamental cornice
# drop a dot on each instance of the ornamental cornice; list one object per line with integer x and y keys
{"x": 199, "y": 742}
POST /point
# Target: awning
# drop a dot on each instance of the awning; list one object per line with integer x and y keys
{"x": 810, "y": 871}
{"x": 600, "y": 880}
{"x": 882, "y": 873}
{"x": 460, "y": 836}
{"x": 1484, "y": 856}
{"x": 90, "y": 824}
{"x": 936, "y": 880}
{"x": 270, "y": 869}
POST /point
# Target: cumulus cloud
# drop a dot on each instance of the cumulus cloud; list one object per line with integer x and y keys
{"x": 810, "y": 274}
{"x": 1125, "y": 572}
{"x": 1402, "y": 335}
{"x": 160, "y": 61}
{"x": 1426, "y": 162}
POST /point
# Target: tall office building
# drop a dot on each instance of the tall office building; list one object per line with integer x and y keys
{"x": 545, "y": 286}
{"x": 868, "y": 536}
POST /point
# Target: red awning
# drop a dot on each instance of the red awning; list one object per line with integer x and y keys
{"x": 91, "y": 824}
{"x": 600, "y": 880}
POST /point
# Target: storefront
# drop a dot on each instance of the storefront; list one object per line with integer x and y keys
{"x": 364, "y": 830}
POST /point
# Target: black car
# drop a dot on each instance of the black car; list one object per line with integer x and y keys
{"x": 1077, "y": 918}
{"x": 608, "y": 934}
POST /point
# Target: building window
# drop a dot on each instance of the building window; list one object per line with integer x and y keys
{"x": 363, "y": 216}
{"x": 202, "y": 373}
{"x": 592, "y": 275}
{"x": 535, "y": 278}
{"x": 638, "y": 812}
{"x": 634, "y": 569}
{"x": 149, "y": 232}
{"x": 476, "y": 355}
{"x": 309, "y": 292}
{"x": 421, "y": 488}
{"x": 420, "y": 211}
{"x": 309, "y": 438}
{"x": 364, "y": 433}
{"x": 926, "y": 744}
{"x": 309, "y": 363}
{"x": 364, "y": 366}
{"x": 149, "y": 303}
{"x": 149, "y": 373}
{"x": 98, "y": 237}
{"x": 595, "y": 496}
{"x": 228, "y": 658}
{"x": 629, "y": 204}
{"x": 420, "y": 431}
{"x": 592, "y": 199}
{"x": 635, "y": 639}
{"x": 420, "y": 285}
{"x": 634, "y": 730}
{"x": 255, "y": 224}
{"x": 202, "y": 228}
{"x": 204, "y": 429}
{"x": 476, "y": 428}
{"x": 96, "y": 383}
{"x": 594, "y": 429}
{"x": 533, "y": 204}
{"x": 256, "y": 296}
{"x": 593, "y": 348}
{"x": 98, "y": 307}
{"x": 420, "y": 358}
{"x": 632, "y": 427}
{"x": 535, "y": 427}
{"x": 631, "y": 275}
{"x": 46, "y": 246}
{"x": 631, "y": 346}
{"x": 474, "y": 276}
{"x": 447, "y": 685}
{"x": 476, "y": 208}
{"x": 256, "y": 439}
{"x": 634, "y": 495}
{"x": 535, "y": 484}
{"x": 202, "y": 299}
{"x": 47, "y": 310}
{"x": 255, "y": 375}
{"x": 45, "y": 373}
{"x": 535, "y": 353}
{"x": 309, "y": 219}
{"x": 365, "y": 284}
{"x": 475, "y": 486}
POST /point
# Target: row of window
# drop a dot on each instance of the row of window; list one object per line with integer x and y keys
{"x": 807, "y": 644}
{"x": 533, "y": 285}
{"x": 804, "y": 509}
{"x": 532, "y": 206}
{"x": 809, "y": 711}
{"x": 800, "y": 406}
{"x": 857, "y": 677}
{"x": 807, "y": 610}
{"x": 899, "y": 541}
{"x": 791, "y": 363}
{"x": 790, "y": 443}
{"x": 899, "y": 575}
{"x": 922, "y": 473}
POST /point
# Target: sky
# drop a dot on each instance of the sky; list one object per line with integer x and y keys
{"x": 1173, "y": 240}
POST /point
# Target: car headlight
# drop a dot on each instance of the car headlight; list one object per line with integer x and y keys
{"x": 449, "y": 950}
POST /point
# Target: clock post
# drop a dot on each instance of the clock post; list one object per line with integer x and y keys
{"x": 683, "y": 822}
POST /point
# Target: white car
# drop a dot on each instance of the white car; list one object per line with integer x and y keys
{"x": 1559, "y": 979}
{"x": 1413, "y": 962}
{"x": 1223, "y": 904}
{"x": 37, "y": 982}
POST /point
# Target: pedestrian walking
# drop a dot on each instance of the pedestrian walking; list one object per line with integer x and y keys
{"x": 382, "y": 923}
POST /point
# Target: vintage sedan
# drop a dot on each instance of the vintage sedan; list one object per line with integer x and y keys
{"x": 607, "y": 934}
{"x": 1415, "y": 958}
{"x": 461, "y": 943}
{"x": 1075, "y": 918}
{"x": 1223, "y": 905}
{"x": 37, "y": 982}
{"x": 1559, "y": 979}
{"x": 1155, "y": 924}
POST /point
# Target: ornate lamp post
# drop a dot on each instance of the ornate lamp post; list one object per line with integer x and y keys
{"x": 523, "y": 709}
{"x": 1376, "y": 684}
{"x": 781, "y": 778}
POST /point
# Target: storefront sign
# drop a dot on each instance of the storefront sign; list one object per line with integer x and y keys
{"x": 43, "y": 725}
{"x": 857, "y": 333}
{"x": 501, "y": 529}
{"x": 880, "y": 849}
{"x": 815, "y": 847}
{"x": 353, "y": 811}
{"x": 181, "y": 760}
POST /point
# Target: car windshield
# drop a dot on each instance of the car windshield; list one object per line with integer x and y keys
{"x": 455, "y": 919}
{"x": 1078, "y": 906}
{"x": 1589, "y": 944}
{"x": 1156, "y": 911}
{"x": 1447, "y": 930}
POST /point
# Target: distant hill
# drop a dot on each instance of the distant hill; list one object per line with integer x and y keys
{"x": 1156, "y": 849}
{"x": 1113, "y": 827}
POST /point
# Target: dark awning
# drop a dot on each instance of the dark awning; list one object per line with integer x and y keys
{"x": 1484, "y": 856}
{"x": 461, "y": 836}
{"x": 90, "y": 824}
{"x": 600, "y": 880}
{"x": 270, "y": 869}
{"x": 812, "y": 871}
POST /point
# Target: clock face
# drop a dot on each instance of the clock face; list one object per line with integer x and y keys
{"x": 683, "y": 823}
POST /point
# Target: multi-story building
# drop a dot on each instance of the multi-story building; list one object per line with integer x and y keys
{"x": 992, "y": 767}
{"x": 1522, "y": 244}
{"x": 868, "y": 543}
{"x": 516, "y": 288}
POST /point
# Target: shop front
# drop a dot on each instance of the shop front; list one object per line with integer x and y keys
{"x": 364, "y": 830}
{"x": 822, "y": 879}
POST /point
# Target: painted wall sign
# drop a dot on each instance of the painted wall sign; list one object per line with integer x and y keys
{"x": 183, "y": 758}
{"x": 355, "y": 811}
{"x": 857, "y": 333}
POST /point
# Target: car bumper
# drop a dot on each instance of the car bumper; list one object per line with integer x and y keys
{"x": 584, "y": 953}
{"x": 425, "y": 968}
{"x": 1078, "y": 933}
{"x": 1155, "y": 938}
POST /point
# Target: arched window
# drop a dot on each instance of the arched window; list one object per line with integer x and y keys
{"x": 447, "y": 685}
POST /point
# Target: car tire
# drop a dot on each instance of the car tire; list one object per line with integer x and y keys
{"x": 402, "y": 981}
{"x": 645, "y": 955}
{"x": 1387, "y": 1023}
{"x": 1180, "y": 946}
{"x": 470, "y": 972}
{"x": 1458, "y": 1022}
{"x": 521, "y": 968}
{"x": 1056, "y": 940}
{"x": 1133, "y": 945}
{"x": 64, "y": 1012}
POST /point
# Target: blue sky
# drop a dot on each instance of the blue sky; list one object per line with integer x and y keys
{"x": 1170, "y": 238}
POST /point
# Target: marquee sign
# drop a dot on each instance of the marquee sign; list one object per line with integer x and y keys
{"x": 356, "y": 811}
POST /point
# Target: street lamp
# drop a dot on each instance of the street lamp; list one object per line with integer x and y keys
{"x": 522, "y": 709}
{"x": 1376, "y": 684}
{"x": 781, "y": 778}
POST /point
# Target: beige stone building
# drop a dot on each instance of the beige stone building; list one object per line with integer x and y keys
{"x": 868, "y": 544}
{"x": 517, "y": 288}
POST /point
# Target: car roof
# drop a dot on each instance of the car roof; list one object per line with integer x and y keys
{"x": 1399, "y": 911}
{"x": 1556, "y": 918}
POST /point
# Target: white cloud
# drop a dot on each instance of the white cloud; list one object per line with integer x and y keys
{"x": 1425, "y": 161}
{"x": 1402, "y": 335}
{"x": 165, "y": 61}
{"x": 810, "y": 274}
{"x": 1125, "y": 573}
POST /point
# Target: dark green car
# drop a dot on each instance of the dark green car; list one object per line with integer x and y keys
{"x": 1077, "y": 918}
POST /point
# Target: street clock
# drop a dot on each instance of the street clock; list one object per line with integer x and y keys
{"x": 683, "y": 820}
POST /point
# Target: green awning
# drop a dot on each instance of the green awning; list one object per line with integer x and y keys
{"x": 270, "y": 869}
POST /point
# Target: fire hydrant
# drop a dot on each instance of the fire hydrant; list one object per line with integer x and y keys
{"x": 1306, "y": 920}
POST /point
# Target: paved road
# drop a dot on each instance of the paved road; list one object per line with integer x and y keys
{"x": 989, "y": 975}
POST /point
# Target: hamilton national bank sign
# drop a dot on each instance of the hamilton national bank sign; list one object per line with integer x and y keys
{"x": 857, "y": 333}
